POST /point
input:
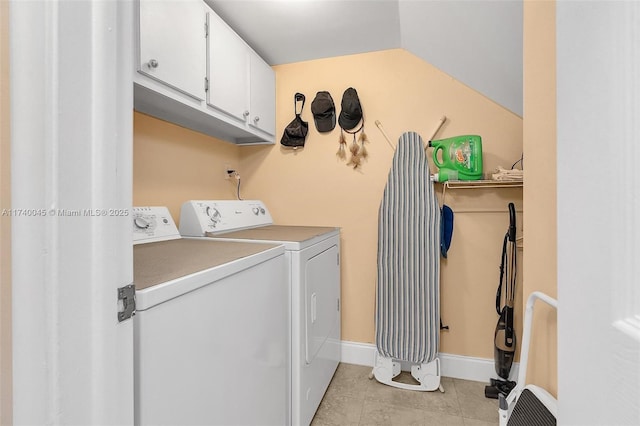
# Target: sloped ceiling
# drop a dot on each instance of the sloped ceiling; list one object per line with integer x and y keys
{"x": 478, "y": 42}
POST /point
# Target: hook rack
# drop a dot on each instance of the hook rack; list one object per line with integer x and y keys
{"x": 471, "y": 184}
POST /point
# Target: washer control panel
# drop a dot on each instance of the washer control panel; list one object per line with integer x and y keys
{"x": 152, "y": 224}
{"x": 199, "y": 218}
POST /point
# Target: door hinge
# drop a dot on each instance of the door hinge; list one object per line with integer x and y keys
{"x": 338, "y": 304}
{"x": 206, "y": 29}
{"x": 206, "y": 84}
{"x": 126, "y": 302}
{"x": 338, "y": 258}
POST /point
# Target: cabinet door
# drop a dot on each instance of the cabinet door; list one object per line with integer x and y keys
{"x": 228, "y": 69}
{"x": 263, "y": 95}
{"x": 173, "y": 44}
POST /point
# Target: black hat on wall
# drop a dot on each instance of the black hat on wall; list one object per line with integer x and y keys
{"x": 351, "y": 112}
{"x": 324, "y": 112}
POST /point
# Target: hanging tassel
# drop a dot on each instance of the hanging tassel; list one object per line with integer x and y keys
{"x": 363, "y": 139}
{"x": 354, "y": 161}
{"x": 355, "y": 154}
{"x": 342, "y": 148}
{"x": 354, "y": 148}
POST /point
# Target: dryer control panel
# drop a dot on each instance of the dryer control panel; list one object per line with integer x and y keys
{"x": 152, "y": 224}
{"x": 199, "y": 218}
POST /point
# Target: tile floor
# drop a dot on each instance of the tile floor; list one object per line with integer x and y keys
{"x": 353, "y": 399}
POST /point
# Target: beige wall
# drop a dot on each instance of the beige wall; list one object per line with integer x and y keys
{"x": 172, "y": 164}
{"x": 5, "y": 223}
{"x": 311, "y": 186}
{"x": 539, "y": 134}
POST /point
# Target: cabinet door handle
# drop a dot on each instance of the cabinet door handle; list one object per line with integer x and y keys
{"x": 153, "y": 63}
{"x": 256, "y": 119}
{"x": 246, "y": 114}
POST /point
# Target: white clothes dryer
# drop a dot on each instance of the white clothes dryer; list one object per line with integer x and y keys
{"x": 211, "y": 343}
{"x": 313, "y": 263}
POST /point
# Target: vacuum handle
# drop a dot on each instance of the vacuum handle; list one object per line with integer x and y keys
{"x": 512, "y": 222}
{"x": 509, "y": 335}
{"x": 503, "y": 262}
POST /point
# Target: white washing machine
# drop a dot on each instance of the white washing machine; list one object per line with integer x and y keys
{"x": 313, "y": 265}
{"x": 211, "y": 341}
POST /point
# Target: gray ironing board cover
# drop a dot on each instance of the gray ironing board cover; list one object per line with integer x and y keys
{"x": 408, "y": 296}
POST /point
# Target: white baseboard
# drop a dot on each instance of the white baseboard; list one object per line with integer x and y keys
{"x": 456, "y": 366}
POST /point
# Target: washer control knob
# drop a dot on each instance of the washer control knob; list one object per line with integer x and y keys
{"x": 214, "y": 214}
{"x": 141, "y": 223}
{"x": 255, "y": 210}
{"x": 262, "y": 211}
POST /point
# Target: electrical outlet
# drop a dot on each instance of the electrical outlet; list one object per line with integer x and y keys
{"x": 227, "y": 167}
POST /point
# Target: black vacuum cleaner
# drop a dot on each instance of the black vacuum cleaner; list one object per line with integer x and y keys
{"x": 505, "y": 336}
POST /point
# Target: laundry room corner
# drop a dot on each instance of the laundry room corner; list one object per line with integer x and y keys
{"x": 313, "y": 212}
{"x": 313, "y": 186}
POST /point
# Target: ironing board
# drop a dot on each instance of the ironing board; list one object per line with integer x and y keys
{"x": 408, "y": 298}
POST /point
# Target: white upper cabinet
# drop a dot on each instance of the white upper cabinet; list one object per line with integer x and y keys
{"x": 228, "y": 69}
{"x": 241, "y": 84}
{"x": 173, "y": 44}
{"x": 263, "y": 92}
{"x": 195, "y": 71}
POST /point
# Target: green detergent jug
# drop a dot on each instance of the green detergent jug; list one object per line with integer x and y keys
{"x": 461, "y": 158}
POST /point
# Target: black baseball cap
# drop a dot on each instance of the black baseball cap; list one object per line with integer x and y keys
{"x": 351, "y": 112}
{"x": 324, "y": 112}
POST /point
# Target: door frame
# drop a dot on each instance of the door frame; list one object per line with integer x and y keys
{"x": 598, "y": 110}
{"x": 71, "y": 160}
